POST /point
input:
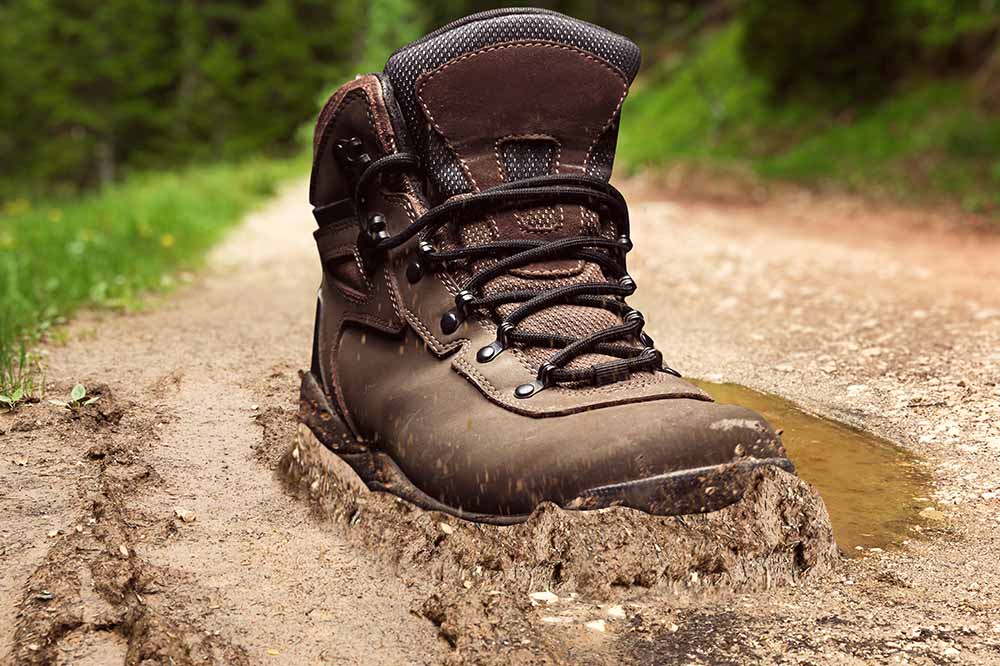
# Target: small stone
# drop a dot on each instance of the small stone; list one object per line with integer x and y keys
{"x": 555, "y": 619}
{"x": 467, "y": 584}
{"x": 672, "y": 628}
{"x": 951, "y": 652}
{"x": 446, "y": 528}
{"x": 544, "y": 597}
{"x": 53, "y": 533}
{"x": 595, "y": 625}
{"x": 123, "y": 550}
{"x": 930, "y": 513}
{"x": 616, "y": 613}
{"x": 185, "y": 515}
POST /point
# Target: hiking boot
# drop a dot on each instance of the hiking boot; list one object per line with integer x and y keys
{"x": 473, "y": 349}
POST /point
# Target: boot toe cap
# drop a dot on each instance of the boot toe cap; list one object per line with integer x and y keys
{"x": 634, "y": 448}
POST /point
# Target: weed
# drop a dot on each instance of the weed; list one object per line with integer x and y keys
{"x": 77, "y": 397}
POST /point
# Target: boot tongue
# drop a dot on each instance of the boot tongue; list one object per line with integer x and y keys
{"x": 511, "y": 94}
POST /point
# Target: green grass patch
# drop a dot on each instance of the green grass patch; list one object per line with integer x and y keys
{"x": 928, "y": 140}
{"x": 106, "y": 249}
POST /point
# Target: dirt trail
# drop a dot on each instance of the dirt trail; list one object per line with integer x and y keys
{"x": 878, "y": 318}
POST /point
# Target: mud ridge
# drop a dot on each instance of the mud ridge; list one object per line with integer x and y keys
{"x": 778, "y": 534}
{"x": 93, "y": 586}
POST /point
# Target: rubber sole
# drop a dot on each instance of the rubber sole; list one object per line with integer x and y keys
{"x": 696, "y": 490}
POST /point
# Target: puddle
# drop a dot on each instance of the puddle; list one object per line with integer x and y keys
{"x": 867, "y": 483}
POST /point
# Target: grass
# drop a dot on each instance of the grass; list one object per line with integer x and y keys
{"x": 929, "y": 140}
{"x": 108, "y": 248}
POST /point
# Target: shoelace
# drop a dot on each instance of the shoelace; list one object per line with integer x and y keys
{"x": 592, "y": 193}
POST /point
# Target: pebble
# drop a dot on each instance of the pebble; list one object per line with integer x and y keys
{"x": 930, "y": 513}
{"x": 544, "y": 597}
{"x": 616, "y": 612}
{"x": 185, "y": 515}
{"x": 596, "y": 625}
{"x": 446, "y": 528}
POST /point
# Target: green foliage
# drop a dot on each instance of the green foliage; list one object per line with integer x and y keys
{"x": 840, "y": 52}
{"x": 108, "y": 248}
{"x": 929, "y": 140}
{"x": 837, "y": 49}
{"x": 391, "y": 24}
{"x": 93, "y": 90}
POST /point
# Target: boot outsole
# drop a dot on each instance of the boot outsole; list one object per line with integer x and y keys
{"x": 689, "y": 491}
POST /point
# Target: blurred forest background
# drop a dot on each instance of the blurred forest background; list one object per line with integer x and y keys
{"x": 132, "y": 133}
{"x": 799, "y": 88}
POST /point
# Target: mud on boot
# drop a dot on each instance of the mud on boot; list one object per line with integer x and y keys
{"x": 474, "y": 352}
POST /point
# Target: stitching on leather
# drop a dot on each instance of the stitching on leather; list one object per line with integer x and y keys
{"x": 479, "y": 377}
{"x": 402, "y": 311}
{"x": 390, "y": 286}
{"x": 429, "y": 76}
{"x": 352, "y": 295}
{"x": 383, "y": 130}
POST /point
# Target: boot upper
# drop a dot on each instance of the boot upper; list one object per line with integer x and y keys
{"x": 489, "y": 102}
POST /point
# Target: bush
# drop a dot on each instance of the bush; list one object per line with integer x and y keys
{"x": 825, "y": 50}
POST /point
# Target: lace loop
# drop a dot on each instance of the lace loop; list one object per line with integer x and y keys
{"x": 609, "y": 255}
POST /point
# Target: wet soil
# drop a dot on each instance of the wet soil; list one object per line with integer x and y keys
{"x": 873, "y": 490}
{"x": 200, "y": 541}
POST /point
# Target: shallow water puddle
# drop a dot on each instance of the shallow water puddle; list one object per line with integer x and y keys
{"x": 870, "y": 486}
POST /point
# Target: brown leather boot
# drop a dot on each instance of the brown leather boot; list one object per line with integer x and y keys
{"x": 473, "y": 349}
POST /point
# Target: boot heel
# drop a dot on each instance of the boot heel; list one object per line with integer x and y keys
{"x": 316, "y": 412}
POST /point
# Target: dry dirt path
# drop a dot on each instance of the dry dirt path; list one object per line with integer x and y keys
{"x": 876, "y": 318}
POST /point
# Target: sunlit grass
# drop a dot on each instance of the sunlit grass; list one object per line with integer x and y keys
{"x": 106, "y": 249}
{"x": 927, "y": 140}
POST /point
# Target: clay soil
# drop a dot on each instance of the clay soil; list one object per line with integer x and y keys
{"x": 184, "y": 518}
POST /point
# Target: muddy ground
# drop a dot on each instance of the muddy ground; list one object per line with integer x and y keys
{"x": 183, "y": 519}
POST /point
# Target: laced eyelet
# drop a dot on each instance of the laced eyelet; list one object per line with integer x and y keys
{"x": 545, "y": 373}
{"x": 543, "y": 381}
{"x": 527, "y": 390}
{"x": 489, "y": 352}
{"x": 463, "y": 301}
{"x": 627, "y": 283}
{"x": 633, "y": 316}
{"x": 653, "y": 354}
{"x": 503, "y": 333}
